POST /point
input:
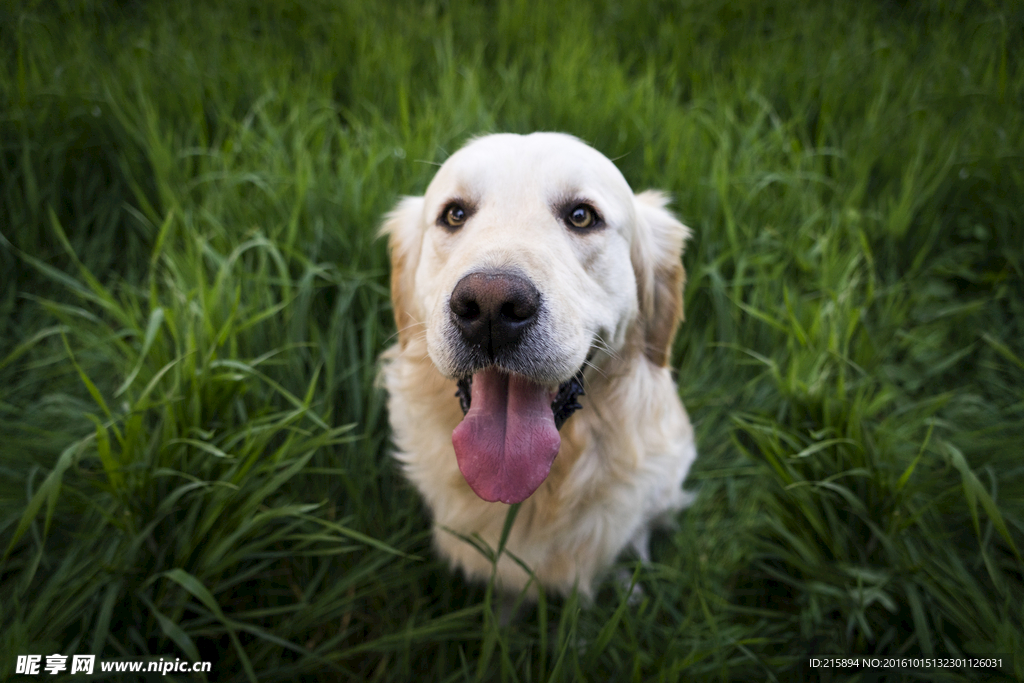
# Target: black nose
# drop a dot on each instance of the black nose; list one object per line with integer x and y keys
{"x": 494, "y": 310}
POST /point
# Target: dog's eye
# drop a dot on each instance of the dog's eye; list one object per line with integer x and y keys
{"x": 454, "y": 216}
{"x": 582, "y": 217}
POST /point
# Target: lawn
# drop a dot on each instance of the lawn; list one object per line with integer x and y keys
{"x": 194, "y": 452}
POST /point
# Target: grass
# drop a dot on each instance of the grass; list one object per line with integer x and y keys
{"x": 193, "y": 451}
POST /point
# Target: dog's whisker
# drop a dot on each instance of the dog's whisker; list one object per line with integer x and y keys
{"x": 397, "y": 333}
{"x": 596, "y": 368}
{"x": 604, "y": 346}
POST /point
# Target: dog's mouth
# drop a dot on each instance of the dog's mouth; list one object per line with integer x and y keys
{"x": 508, "y": 439}
{"x": 563, "y": 405}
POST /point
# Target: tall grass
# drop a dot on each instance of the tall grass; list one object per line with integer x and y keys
{"x": 194, "y": 452}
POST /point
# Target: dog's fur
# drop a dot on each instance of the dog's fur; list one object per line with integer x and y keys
{"x": 611, "y": 302}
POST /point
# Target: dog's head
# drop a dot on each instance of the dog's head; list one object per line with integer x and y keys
{"x": 528, "y": 258}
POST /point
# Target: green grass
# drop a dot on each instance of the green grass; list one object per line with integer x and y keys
{"x": 194, "y": 453}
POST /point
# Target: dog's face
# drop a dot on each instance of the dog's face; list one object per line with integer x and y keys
{"x": 527, "y": 258}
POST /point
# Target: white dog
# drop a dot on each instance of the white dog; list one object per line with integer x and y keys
{"x": 529, "y": 276}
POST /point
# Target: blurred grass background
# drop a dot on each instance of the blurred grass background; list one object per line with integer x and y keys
{"x": 194, "y": 455}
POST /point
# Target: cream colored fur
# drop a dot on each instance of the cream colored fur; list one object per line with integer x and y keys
{"x": 614, "y": 294}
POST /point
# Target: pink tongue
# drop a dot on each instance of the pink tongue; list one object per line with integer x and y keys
{"x": 506, "y": 443}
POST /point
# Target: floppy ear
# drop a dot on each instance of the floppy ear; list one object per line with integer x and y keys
{"x": 402, "y": 226}
{"x": 656, "y": 251}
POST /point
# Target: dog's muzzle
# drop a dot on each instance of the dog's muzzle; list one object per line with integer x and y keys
{"x": 508, "y": 439}
{"x": 493, "y": 310}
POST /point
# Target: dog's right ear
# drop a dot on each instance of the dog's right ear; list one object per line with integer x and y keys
{"x": 405, "y": 239}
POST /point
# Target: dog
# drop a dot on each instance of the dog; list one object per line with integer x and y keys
{"x": 536, "y": 299}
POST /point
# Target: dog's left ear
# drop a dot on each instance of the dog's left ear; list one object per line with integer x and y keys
{"x": 402, "y": 227}
{"x": 656, "y": 254}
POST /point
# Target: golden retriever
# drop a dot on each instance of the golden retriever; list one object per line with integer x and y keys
{"x": 536, "y": 299}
